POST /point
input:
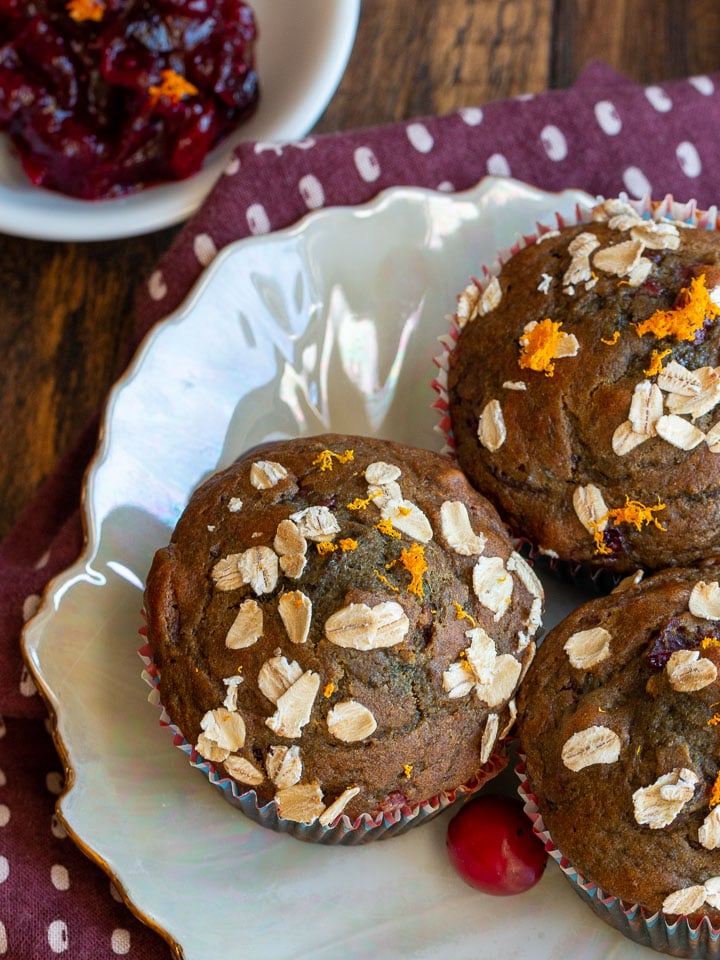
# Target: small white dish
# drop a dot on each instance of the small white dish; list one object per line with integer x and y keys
{"x": 330, "y": 325}
{"x": 302, "y": 52}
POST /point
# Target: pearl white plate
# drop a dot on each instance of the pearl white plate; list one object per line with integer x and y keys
{"x": 330, "y": 325}
{"x": 302, "y": 51}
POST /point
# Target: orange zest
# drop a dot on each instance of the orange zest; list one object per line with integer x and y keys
{"x": 384, "y": 580}
{"x": 407, "y": 770}
{"x": 329, "y": 689}
{"x": 634, "y": 512}
{"x": 538, "y": 347}
{"x": 413, "y": 560}
{"x": 80, "y": 10}
{"x": 462, "y": 614}
{"x": 325, "y": 458}
{"x": 326, "y": 546}
{"x": 656, "y": 360}
{"x": 715, "y": 793}
{"x": 613, "y": 340}
{"x": 386, "y": 526}
{"x": 173, "y": 86}
{"x": 360, "y": 504}
{"x": 693, "y": 308}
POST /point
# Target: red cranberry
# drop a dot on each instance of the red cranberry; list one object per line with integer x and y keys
{"x": 492, "y": 846}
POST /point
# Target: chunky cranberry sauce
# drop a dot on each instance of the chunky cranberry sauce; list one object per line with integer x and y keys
{"x": 102, "y": 97}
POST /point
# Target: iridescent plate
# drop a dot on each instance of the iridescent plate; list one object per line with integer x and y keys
{"x": 331, "y": 325}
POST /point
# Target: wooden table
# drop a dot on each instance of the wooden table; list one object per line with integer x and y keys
{"x": 66, "y": 308}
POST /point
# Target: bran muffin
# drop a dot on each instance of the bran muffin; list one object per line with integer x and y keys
{"x": 340, "y": 625}
{"x": 583, "y": 391}
{"x": 619, "y": 722}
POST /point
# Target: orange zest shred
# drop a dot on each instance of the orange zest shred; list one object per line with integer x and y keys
{"x": 386, "y": 526}
{"x": 359, "y": 504}
{"x": 538, "y": 347}
{"x": 613, "y": 340}
{"x": 325, "y": 458}
{"x": 326, "y": 546}
{"x": 80, "y": 10}
{"x": 173, "y": 86}
{"x": 715, "y": 793}
{"x": 329, "y": 689}
{"x": 407, "y": 770}
{"x": 413, "y": 560}
{"x": 383, "y": 579}
{"x": 656, "y": 360}
{"x": 462, "y": 614}
{"x": 694, "y": 306}
{"x": 634, "y": 512}
{"x": 714, "y": 720}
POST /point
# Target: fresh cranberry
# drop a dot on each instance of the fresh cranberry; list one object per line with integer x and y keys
{"x": 677, "y": 634}
{"x": 492, "y": 846}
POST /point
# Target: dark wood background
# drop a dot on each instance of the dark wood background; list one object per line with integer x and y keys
{"x": 66, "y": 308}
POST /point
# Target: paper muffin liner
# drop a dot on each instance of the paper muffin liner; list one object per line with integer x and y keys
{"x": 342, "y": 831}
{"x": 677, "y": 938}
{"x": 598, "y": 579}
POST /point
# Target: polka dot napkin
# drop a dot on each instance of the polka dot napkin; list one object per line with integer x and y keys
{"x": 605, "y": 135}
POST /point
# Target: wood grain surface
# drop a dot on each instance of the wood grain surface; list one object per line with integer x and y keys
{"x": 66, "y": 315}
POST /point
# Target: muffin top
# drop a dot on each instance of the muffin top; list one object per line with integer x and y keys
{"x": 583, "y": 391}
{"x": 619, "y": 718}
{"x": 340, "y": 624}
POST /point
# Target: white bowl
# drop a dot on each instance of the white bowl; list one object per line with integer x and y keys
{"x": 302, "y": 52}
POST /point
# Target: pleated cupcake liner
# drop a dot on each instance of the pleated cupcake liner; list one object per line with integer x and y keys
{"x": 678, "y": 938}
{"x": 344, "y": 830}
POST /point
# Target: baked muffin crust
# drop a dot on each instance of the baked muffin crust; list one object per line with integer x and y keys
{"x": 341, "y": 617}
{"x": 583, "y": 392}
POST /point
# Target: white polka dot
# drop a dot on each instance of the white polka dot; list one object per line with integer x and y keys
{"x": 115, "y": 893}
{"x": 57, "y": 829}
{"x": 157, "y": 288}
{"x": 446, "y": 186}
{"x": 472, "y": 116}
{"x": 420, "y": 137}
{"x": 636, "y": 182}
{"x": 232, "y": 167}
{"x": 3, "y": 938}
{"x": 120, "y": 941}
{"x": 311, "y": 190}
{"x": 703, "y": 85}
{"x": 4, "y": 814}
{"x": 497, "y": 165}
{"x": 54, "y": 782}
{"x": 688, "y": 158}
{"x": 608, "y": 118}
{"x": 659, "y": 99}
{"x": 366, "y": 164}
{"x": 27, "y": 684}
{"x": 554, "y": 142}
{"x": 58, "y": 936}
{"x": 4, "y": 869}
{"x": 204, "y": 249}
{"x": 60, "y": 877}
{"x": 42, "y": 562}
{"x": 257, "y": 219}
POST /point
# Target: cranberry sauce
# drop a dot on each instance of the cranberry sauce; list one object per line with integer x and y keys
{"x": 102, "y": 97}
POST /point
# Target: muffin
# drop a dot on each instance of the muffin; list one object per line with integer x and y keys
{"x": 582, "y": 391}
{"x": 339, "y": 625}
{"x": 619, "y": 723}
